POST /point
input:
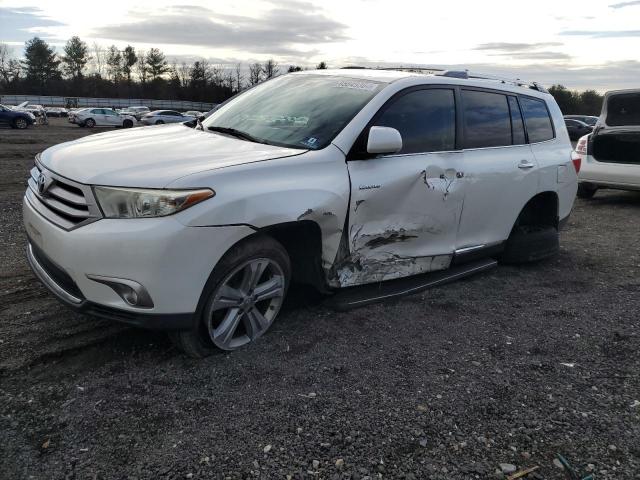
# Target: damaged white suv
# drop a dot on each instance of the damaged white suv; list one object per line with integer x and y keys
{"x": 331, "y": 178}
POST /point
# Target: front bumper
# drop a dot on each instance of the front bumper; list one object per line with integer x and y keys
{"x": 172, "y": 261}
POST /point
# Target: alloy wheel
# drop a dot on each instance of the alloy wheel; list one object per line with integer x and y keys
{"x": 245, "y": 304}
{"x": 21, "y": 123}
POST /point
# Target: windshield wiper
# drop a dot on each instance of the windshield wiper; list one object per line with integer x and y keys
{"x": 236, "y": 133}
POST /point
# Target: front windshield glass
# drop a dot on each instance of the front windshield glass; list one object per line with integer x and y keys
{"x": 298, "y": 111}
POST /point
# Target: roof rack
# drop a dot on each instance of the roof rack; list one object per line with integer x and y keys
{"x": 481, "y": 76}
{"x": 464, "y": 74}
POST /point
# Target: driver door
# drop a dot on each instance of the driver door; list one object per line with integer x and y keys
{"x": 405, "y": 207}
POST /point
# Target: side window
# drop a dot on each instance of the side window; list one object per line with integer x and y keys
{"x": 487, "y": 121}
{"x": 517, "y": 126}
{"x": 536, "y": 117}
{"x": 97, "y": 111}
{"x": 426, "y": 119}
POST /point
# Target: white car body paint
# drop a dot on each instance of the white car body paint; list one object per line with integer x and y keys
{"x": 609, "y": 174}
{"x": 381, "y": 218}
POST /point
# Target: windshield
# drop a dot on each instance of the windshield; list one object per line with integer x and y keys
{"x": 297, "y": 111}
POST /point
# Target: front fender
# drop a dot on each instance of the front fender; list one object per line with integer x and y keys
{"x": 312, "y": 186}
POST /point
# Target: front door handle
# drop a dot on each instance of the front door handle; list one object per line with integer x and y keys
{"x": 525, "y": 165}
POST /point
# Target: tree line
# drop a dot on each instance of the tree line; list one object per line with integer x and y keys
{"x": 84, "y": 70}
{"x": 571, "y": 102}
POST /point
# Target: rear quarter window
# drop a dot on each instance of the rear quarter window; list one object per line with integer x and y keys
{"x": 537, "y": 119}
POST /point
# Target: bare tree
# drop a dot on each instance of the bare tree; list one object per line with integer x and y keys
{"x": 239, "y": 77}
{"x": 216, "y": 74}
{"x": 255, "y": 73}
{"x": 141, "y": 66}
{"x": 5, "y": 60}
{"x": 183, "y": 73}
{"x": 98, "y": 58}
{"x": 270, "y": 68}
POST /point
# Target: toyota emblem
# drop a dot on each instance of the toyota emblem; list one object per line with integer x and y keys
{"x": 42, "y": 183}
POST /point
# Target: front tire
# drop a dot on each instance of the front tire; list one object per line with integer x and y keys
{"x": 241, "y": 300}
{"x": 20, "y": 123}
{"x": 127, "y": 124}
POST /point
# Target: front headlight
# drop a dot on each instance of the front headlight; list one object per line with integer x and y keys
{"x": 142, "y": 203}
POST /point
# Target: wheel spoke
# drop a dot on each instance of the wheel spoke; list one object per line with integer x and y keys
{"x": 226, "y": 329}
{"x": 252, "y": 274}
{"x": 254, "y": 322}
{"x": 269, "y": 289}
{"x": 228, "y": 297}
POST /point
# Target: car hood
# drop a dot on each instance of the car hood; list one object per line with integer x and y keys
{"x": 153, "y": 157}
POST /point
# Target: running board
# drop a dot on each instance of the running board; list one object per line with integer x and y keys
{"x": 354, "y": 297}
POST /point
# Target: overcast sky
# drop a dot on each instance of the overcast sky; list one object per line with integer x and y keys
{"x": 581, "y": 44}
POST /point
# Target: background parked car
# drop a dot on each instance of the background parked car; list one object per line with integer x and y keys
{"x": 137, "y": 112}
{"x": 101, "y": 117}
{"x": 56, "y": 111}
{"x": 576, "y": 128}
{"x": 159, "y": 117}
{"x": 16, "y": 118}
{"x": 610, "y": 156}
{"x": 588, "y": 119}
{"x": 193, "y": 113}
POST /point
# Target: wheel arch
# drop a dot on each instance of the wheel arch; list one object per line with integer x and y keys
{"x": 541, "y": 209}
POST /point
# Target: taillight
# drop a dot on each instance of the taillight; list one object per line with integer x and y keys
{"x": 581, "y": 147}
{"x": 577, "y": 161}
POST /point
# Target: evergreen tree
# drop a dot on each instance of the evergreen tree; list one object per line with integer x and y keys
{"x": 129, "y": 59}
{"x": 322, "y": 66}
{"x": 41, "y": 63}
{"x": 75, "y": 57}
{"x": 156, "y": 63}
{"x": 114, "y": 63}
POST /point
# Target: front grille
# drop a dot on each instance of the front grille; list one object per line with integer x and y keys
{"x": 56, "y": 273}
{"x": 66, "y": 203}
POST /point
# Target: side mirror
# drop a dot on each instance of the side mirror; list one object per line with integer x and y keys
{"x": 201, "y": 118}
{"x": 384, "y": 140}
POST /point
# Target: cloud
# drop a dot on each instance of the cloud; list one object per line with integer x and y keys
{"x": 543, "y": 55}
{"x": 285, "y": 29}
{"x": 22, "y": 23}
{"x": 602, "y": 33}
{"x": 516, "y": 47}
{"x": 624, "y": 4}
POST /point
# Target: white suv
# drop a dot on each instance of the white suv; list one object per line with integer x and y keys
{"x": 333, "y": 178}
{"x": 611, "y": 155}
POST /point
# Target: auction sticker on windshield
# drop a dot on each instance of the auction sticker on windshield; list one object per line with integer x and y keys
{"x": 370, "y": 87}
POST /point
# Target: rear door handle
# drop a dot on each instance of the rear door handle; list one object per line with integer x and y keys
{"x": 525, "y": 165}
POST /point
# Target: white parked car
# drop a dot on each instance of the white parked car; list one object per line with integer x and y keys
{"x": 193, "y": 113}
{"x": 611, "y": 154}
{"x": 101, "y": 117}
{"x": 201, "y": 230}
{"x": 137, "y": 112}
{"x": 160, "y": 117}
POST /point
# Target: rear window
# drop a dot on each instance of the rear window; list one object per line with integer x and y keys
{"x": 537, "y": 119}
{"x": 487, "y": 120}
{"x": 623, "y": 109}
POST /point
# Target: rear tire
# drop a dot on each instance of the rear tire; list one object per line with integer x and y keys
{"x": 530, "y": 244}
{"x": 205, "y": 339}
{"x": 159, "y": 122}
{"x": 586, "y": 191}
{"x": 89, "y": 123}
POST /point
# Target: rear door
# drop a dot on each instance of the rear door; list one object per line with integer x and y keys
{"x": 405, "y": 207}
{"x": 500, "y": 170}
{"x": 112, "y": 118}
{"x": 98, "y": 115}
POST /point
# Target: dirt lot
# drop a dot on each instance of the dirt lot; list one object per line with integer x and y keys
{"x": 513, "y": 366}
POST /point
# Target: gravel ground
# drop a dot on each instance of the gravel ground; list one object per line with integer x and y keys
{"x": 509, "y": 367}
